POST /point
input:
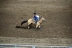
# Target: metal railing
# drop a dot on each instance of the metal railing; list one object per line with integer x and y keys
{"x": 30, "y": 46}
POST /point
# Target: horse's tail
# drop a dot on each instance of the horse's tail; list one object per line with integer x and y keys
{"x": 23, "y": 22}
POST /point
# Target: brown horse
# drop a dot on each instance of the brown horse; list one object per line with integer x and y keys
{"x": 31, "y": 21}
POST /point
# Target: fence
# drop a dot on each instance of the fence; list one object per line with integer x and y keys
{"x": 30, "y": 46}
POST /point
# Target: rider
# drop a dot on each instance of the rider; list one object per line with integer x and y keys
{"x": 36, "y": 17}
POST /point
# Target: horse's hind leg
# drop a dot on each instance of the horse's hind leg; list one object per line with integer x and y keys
{"x": 29, "y": 25}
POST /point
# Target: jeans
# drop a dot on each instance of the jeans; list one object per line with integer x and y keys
{"x": 36, "y": 19}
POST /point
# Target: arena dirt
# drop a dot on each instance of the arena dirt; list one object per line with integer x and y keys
{"x": 58, "y": 15}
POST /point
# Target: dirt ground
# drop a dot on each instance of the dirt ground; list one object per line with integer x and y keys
{"x": 58, "y": 15}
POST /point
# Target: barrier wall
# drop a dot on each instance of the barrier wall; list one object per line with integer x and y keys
{"x": 30, "y": 46}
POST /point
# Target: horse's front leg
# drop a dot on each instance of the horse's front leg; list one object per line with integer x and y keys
{"x": 37, "y": 25}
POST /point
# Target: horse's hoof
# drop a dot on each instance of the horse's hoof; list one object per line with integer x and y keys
{"x": 40, "y": 28}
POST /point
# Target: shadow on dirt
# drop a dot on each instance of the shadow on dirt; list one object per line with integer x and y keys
{"x": 22, "y": 27}
{"x": 25, "y": 27}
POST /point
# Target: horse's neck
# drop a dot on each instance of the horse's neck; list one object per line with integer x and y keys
{"x": 40, "y": 21}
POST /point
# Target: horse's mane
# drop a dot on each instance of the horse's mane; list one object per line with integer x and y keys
{"x": 40, "y": 17}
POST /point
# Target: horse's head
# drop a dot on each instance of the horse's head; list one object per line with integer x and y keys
{"x": 43, "y": 19}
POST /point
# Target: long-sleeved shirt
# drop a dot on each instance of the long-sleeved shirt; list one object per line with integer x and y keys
{"x": 36, "y": 18}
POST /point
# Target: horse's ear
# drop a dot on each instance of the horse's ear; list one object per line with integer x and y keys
{"x": 42, "y": 17}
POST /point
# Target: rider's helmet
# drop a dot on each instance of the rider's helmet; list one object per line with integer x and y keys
{"x": 34, "y": 12}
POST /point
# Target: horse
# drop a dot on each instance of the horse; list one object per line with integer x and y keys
{"x": 31, "y": 21}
